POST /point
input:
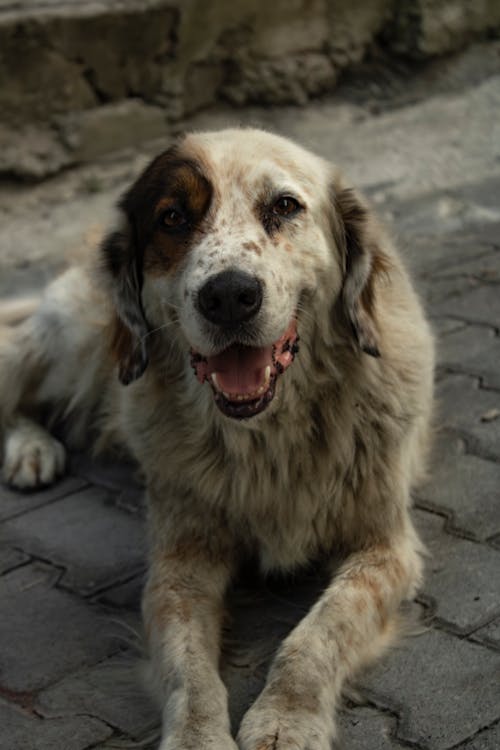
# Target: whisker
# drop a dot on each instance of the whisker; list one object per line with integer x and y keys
{"x": 172, "y": 305}
{"x": 305, "y": 313}
{"x": 155, "y": 330}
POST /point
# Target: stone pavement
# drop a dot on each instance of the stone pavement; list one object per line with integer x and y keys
{"x": 72, "y": 556}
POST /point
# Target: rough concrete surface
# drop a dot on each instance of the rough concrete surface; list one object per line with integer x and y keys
{"x": 426, "y": 150}
{"x": 89, "y": 68}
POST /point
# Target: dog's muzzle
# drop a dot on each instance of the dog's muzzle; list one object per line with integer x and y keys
{"x": 243, "y": 378}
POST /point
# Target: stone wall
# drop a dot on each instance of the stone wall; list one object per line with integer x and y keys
{"x": 79, "y": 78}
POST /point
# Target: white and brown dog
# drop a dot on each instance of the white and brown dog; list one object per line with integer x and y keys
{"x": 230, "y": 245}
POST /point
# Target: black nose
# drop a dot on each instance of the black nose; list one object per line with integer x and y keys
{"x": 230, "y": 297}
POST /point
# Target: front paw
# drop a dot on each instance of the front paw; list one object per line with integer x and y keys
{"x": 198, "y": 740}
{"x": 273, "y": 727}
{"x": 33, "y": 458}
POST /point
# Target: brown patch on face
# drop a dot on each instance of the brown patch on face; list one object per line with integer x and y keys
{"x": 252, "y": 247}
{"x": 166, "y": 208}
{"x": 288, "y": 247}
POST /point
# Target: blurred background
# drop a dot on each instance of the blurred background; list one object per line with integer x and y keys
{"x": 404, "y": 95}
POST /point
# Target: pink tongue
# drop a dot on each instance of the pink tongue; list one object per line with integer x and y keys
{"x": 241, "y": 369}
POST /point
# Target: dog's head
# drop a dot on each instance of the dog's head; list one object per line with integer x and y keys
{"x": 228, "y": 237}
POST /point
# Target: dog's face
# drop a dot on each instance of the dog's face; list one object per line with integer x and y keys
{"x": 227, "y": 234}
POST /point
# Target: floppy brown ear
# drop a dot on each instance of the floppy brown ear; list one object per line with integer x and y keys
{"x": 363, "y": 262}
{"x": 123, "y": 265}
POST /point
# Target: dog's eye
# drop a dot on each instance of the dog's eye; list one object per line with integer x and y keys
{"x": 172, "y": 218}
{"x": 285, "y": 206}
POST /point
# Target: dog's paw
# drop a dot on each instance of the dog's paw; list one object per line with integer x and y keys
{"x": 32, "y": 457}
{"x": 268, "y": 728}
{"x": 195, "y": 741}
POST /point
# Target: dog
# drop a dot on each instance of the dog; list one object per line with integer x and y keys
{"x": 250, "y": 334}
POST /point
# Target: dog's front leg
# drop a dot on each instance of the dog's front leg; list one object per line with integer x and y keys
{"x": 183, "y": 607}
{"x": 346, "y": 629}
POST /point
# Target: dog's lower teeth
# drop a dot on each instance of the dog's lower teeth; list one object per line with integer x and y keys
{"x": 245, "y": 396}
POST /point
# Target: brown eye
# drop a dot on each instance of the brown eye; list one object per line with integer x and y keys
{"x": 285, "y": 206}
{"x": 172, "y": 218}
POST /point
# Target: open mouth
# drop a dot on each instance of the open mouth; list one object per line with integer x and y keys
{"x": 243, "y": 378}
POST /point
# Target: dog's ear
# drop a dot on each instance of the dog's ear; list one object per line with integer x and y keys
{"x": 123, "y": 266}
{"x": 363, "y": 261}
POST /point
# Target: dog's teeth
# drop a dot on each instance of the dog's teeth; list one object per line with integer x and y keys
{"x": 213, "y": 378}
{"x": 244, "y": 396}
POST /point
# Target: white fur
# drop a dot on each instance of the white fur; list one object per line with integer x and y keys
{"x": 32, "y": 456}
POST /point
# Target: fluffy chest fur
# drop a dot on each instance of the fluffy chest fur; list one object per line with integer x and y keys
{"x": 294, "y": 486}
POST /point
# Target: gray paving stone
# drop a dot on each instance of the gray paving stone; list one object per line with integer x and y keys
{"x": 463, "y": 487}
{"x": 489, "y": 232}
{"x": 120, "y": 477}
{"x": 480, "y": 304}
{"x": 14, "y": 503}
{"x": 111, "y": 690}
{"x": 10, "y": 558}
{"x": 461, "y": 577}
{"x": 442, "y": 327}
{"x": 117, "y": 476}
{"x": 490, "y": 634}
{"x": 150, "y": 742}
{"x": 440, "y": 253}
{"x": 484, "y": 193}
{"x": 474, "y": 350}
{"x": 95, "y": 542}
{"x": 437, "y": 291}
{"x": 125, "y": 595}
{"x": 45, "y": 632}
{"x": 19, "y": 731}
{"x": 495, "y": 541}
{"x": 441, "y": 214}
{"x": 488, "y": 739}
{"x": 366, "y": 729}
{"x": 444, "y": 689}
{"x": 462, "y": 406}
{"x": 482, "y": 267}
